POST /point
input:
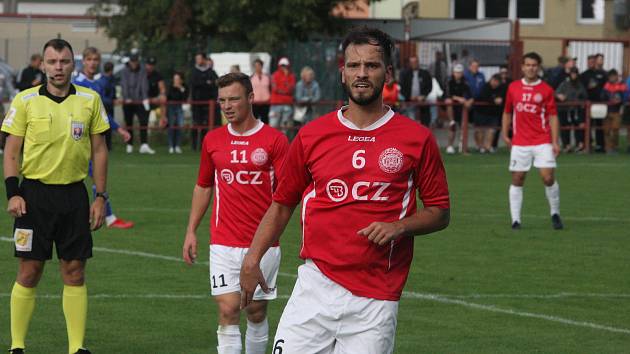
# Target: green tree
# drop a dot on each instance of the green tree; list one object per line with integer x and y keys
{"x": 249, "y": 25}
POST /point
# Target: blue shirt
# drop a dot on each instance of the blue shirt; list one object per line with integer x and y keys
{"x": 95, "y": 85}
{"x": 475, "y": 81}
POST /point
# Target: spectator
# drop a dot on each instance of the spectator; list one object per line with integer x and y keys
{"x": 560, "y": 73}
{"x": 157, "y": 89}
{"x": 177, "y": 92}
{"x": 614, "y": 91}
{"x": 135, "y": 94}
{"x": 434, "y": 96}
{"x": 107, "y": 81}
{"x": 506, "y": 79}
{"x": 203, "y": 88}
{"x": 415, "y": 86}
{"x": 488, "y": 116}
{"x": 7, "y": 92}
{"x": 262, "y": 92}
{"x": 466, "y": 59}
{"x": 594, "y": 80}
{"x": 307, "y": 92}
{"x": 282, "y": 89}
{"x": 235, "y": 69}
{"x": 454, "y": 61}
{"x": 457, "y": 97}
{"x": 599, "y": 61}
{"x": 391, "y": 93}
{"x": 31, "y": 75}
{"x": 439, "y": 69}
{"x": 476, "y": 80}
{"x": 571, "y": 117}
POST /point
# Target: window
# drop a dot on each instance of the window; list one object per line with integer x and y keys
{"x": 590, "y": 11}
{"x": 528, "y": 11}
{"x": 497, "y": 9}
{"x": 465, "y": 9}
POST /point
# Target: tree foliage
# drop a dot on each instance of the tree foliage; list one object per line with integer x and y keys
{"x": 237, "y": 24}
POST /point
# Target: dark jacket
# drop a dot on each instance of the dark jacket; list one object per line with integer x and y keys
{"x": 488, "y": 95}
{"x": 594, "y": 81}
{"x": 203, "y": 84}
{"x": 27, "y": 76}
{"x": 406, "y": 79}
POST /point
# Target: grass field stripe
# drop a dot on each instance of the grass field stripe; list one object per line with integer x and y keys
{"x": 135, "y": 296}
{"x": 149, "y": 255}
{"x": 531, "y": 216}
{"x": 492, "y": 308}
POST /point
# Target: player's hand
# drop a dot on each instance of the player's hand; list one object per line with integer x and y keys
{"x": 507, "y": 141}
{"x": 251, "y": 276}
{"x": 17, "y": 206}
{"x": 556, "y": 149}
{"x": 382, "y": 233}
{"x": 189, "y": 251}
{"x": 97, "y": 213}
{"x": 124, "y": 133}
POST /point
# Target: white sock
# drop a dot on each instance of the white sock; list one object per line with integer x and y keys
{"x": 109, "y": 219}
{"x": 229, "y": 340}
{"x": 516, "y": 202}
{"x": 256, "y": 337}
{"x": 553, "y": 196}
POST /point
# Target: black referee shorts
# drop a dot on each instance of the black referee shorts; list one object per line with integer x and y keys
{"x": 54, "y": 213}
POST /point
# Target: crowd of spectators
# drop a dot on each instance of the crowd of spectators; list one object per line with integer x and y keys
{"x": 436, "y": 95}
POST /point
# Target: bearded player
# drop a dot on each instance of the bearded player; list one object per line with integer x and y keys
{"x": 238, "y": 163}
{"x": 530, "y": 108}
{"x": 356, "y": 172}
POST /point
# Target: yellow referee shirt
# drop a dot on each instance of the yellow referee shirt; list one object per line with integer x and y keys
{"x": 56, "y": 131}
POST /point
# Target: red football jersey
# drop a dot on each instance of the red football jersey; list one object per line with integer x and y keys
{"x": 242, "y": 169}
{"x": 531, "y": 106}
{"x": 347, "y": 178}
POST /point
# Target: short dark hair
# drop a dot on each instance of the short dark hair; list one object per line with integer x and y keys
{"x": 203, "y": 54}
{"x": 229, "y": 79}
{"x": 613, "y": 72}
{"x": 373, "y": 36}
{"x": 259, "y": 61}
{"x": 58, "y": 44}
{"x": 180, "y": 74}
{"x": 533, "y": 56}
{"x": 108, "y": 67}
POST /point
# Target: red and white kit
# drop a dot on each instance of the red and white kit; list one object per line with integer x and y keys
{"x": 347, "y": 178}
{"x": 242, "y": 169}
{"x": 531, "y": 105}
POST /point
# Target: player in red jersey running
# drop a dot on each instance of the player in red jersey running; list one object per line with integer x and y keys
{"x": 356, "y": 172}
{"x": 530, "y": 108}
{"x": 239, "y": 162}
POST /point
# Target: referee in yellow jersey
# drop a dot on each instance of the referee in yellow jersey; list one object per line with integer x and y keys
{"x": 60, "y": 126}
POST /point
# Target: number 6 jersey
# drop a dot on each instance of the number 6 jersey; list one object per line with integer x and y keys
{"x": 347, "y": 178}
{"x": 241, "y": 168}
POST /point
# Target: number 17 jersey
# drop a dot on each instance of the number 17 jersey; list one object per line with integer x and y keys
{"x": 347, "y": 178}
{"x": 242, "y": 169}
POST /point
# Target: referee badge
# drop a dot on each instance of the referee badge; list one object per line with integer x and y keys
{"x": 23, "y": 240}
{"x": 77, "y": 130}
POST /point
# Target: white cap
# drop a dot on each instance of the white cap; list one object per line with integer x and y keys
{"x": 284, "y": 61}
{"x": 458, "y": 68}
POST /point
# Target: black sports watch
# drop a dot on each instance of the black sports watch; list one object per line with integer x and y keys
{"x": 103, "y": 195}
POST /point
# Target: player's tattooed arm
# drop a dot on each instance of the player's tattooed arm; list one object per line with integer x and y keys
{"x": 425, "y": 221}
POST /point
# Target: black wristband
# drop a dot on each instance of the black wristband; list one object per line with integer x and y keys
{"x": 12, "y": 185}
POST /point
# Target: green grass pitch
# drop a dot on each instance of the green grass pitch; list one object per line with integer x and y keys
{"x": 477, "y": 287}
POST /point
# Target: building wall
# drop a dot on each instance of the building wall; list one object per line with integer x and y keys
{"x": 16, "y": 48}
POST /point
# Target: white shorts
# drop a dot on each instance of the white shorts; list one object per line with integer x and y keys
{"x": 521, "y": 157}
{"x": 323, "y": 317}
{"x": 225, "y": 270}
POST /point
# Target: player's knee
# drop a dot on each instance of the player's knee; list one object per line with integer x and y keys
{"x": 74, "y": 276}
{"x": 257, "y": 316}
{"x": 29, "y": 276}
{"x": 548, "y": 180}
{"x": 228, "y": 312}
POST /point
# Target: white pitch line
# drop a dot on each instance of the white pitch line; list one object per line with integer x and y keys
{"x": 406, "y": 294}
{"x": 149, "y": 255}
{"x": 562, "y": 295}
{"x": 492, "y": 308}
{"x": 135, "y": 296}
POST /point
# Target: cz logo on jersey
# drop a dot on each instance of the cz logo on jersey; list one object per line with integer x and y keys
{"x": 338, "y": 190}
{"x": 77, "y": 130}
{"x": 242, "y": 177}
